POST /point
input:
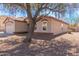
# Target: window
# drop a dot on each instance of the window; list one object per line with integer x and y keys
{"x": 44, "y": 25}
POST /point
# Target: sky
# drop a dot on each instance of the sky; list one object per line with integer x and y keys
{"x": 19, "y": 12}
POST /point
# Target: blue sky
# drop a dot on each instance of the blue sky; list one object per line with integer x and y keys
{"x": 20, "y": 13}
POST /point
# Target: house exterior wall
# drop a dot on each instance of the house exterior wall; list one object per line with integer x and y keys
{"x": 65, "y": 27}
{"x": 58, "y": 27}
{"x": 39, "y": 27}
{"x": 20, "y": 27}
{"x": 54, "y": 27}
{"x": 10, "y": 27}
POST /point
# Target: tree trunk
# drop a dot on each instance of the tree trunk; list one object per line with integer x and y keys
{"x": 30, "y": 32}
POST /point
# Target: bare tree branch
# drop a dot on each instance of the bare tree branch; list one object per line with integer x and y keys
{"x": 45, "y": 7}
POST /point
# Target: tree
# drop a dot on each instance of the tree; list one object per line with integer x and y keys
{"x": 71, "y": 10}
{"x": 39, "y": 9}
{"x": 35, "y": 18}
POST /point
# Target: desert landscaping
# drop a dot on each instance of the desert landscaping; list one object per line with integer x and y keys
{"x": 62, "y": 45}
{"x": 39, "y": 29}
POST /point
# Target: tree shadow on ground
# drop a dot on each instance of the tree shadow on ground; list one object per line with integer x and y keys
{"x": 60, "y": 47}
{"x": 45, "y": 36}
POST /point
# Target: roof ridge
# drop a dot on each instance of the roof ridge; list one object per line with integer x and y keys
{"x": 56, "y": 19}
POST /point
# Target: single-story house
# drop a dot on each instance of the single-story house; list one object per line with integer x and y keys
{"x": 51, "y": 25}
{"x": 46, "y": 25}
{"x": 12, "y": 25}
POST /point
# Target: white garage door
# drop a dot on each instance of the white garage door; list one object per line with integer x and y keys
{"x": 9, "y": 28}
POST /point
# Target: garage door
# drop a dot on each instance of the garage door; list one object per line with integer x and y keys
{"x": 9, "y": 28}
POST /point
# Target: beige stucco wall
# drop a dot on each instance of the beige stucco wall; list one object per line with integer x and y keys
{"x": 9, "y": 26}
{"x": 20, "y": 26}
{"x": 54, "y": 26}
{"x": 40, "y": 28}
{"x": 65, "y": 27}
{"x": 57, "y": 27}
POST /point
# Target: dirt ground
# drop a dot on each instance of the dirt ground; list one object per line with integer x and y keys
{"x": 41, "y": 45}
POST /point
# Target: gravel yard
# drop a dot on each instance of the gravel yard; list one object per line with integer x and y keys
{"x": 63, "y": 45}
